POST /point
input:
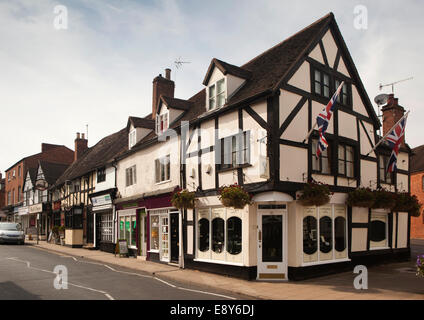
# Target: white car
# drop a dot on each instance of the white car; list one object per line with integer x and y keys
{"x": 11, "y": 232}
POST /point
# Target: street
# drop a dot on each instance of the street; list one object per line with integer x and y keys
{"x": 26, "y": 273}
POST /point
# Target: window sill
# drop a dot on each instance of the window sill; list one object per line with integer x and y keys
{"x": 306, "y": 264}
{"x": 162, "y": 182}
{"x": 379, "y": 248}
{"x": 153, "y": 251}
{"x": 235, "y": 168}
{"x": 219, "y": 262}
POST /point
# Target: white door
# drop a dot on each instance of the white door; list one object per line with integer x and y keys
{"x": 272, "y": 242}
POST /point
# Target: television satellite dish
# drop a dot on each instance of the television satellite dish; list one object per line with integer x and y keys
{"x": 381, "y": 99}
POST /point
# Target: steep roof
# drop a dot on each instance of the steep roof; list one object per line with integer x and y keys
{"x": 52, "y": 171}
{"x": 417, "y": 159}
{"x": 97, "y": 156}
{"x": 226, "y": 68}
{"x": 175, "y": 103}
{"x": 141, "y": 122}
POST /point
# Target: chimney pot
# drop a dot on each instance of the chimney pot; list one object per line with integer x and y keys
{"x": 78, "y": 135}
{"x": 168, "y": 73}
{"x": 81, "y": 145}
{"x": 82, "y": 136}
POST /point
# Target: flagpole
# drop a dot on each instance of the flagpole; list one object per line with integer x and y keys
{"x": 388, "y": 132}
{"x": 313, "y": 127}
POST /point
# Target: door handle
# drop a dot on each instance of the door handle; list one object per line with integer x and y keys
{"x": 260, "y": 235}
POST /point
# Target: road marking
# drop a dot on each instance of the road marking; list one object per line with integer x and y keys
{"x": 69, "y": 283}
{"x": 146, "y": 276}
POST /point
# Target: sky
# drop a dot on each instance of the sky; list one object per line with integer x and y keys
{"x": 99, "y": 69}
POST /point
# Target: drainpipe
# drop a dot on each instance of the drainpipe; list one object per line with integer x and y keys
{"x": 113, "y": 206}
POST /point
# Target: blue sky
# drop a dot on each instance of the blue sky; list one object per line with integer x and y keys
{"x": 100, "y": 70}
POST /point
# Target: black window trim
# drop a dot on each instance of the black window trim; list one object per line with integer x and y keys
{"x": 355, "y": 175}
{"x": 383, "y": 179}
{"x": 331, "y": 144}
{"x": 222, "y": 166}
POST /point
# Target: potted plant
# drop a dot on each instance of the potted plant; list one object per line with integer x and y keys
{"x": 420, "y": 266}
{"x": 183, "y": 199}
{"x": 405, "y": 202}
{"x": 384, "y": 199}
{"x": 315, "y": 194}
{"x": 361, "y": 197}
{"x": 234, "y": 196}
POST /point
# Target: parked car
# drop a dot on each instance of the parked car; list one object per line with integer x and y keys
{"x": 11, "y": 232}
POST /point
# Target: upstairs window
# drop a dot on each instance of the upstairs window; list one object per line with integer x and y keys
{"x": 161, "y": 123}
{"x": 344, "y": 96}
{"x": 322, "y": 164}
{"x": 101, "y": 175}
{"x": 235, "y": 150}
{"x": 217, "y": 94}
{"x": 162, "y": 169}
{"x": 385, "y": 177}
{"x": 346, "y": 160}
{"x": 130, "y": 176}
{"x": 321, "y": 83}
{"x": 19, "y": 171}
{"x": 132, "y": 138}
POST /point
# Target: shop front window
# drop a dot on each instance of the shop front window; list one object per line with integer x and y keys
{"x": 218, "y": 235}
{"x": 106, "y": 227}
{"x": 234, "y": 235}
{"x": 165, "y": 238}
{"x": 154, "y": 231}
{"x": 326, "y": 236}
{"x": 203, "y": 234}
{"x": 340, "y": 234}
{"x": 133, "y": 231}
{"x": 309, "y": 235}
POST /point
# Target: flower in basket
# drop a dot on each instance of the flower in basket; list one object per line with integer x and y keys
{"x": 405, "y": 202}
{"x": 183, "y": 199}
{"x": 361, "y": 197}
{"x": 234, "y": 196}
{"x": 315, "y": 194}
{"x": 384, "y": 199}
{"x": 420, "y": 266}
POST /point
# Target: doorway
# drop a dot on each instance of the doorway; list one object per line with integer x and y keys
{"x": 175, "y": 237}
{"x": 272, "y": 243}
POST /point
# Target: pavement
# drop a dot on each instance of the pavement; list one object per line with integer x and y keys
{"x": 394, "y": 281}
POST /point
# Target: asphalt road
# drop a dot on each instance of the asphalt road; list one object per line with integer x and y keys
{"x": 26, "y": 273}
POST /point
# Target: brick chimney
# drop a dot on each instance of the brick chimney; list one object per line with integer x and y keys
{"x": 162, "y": 86}
{"x": 392, "y": 112}
{"x": 47, "y": 146}
{"x": 81, "y": 145}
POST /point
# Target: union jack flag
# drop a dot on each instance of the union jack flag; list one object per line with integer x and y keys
{"x": 323, "y": 120}
{"x": 394, "y": 139}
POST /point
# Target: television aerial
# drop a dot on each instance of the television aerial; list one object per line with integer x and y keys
{"x": 381, "y": 86}
{"x": 179, "y": 63}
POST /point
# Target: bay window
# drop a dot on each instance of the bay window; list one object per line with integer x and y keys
{"x": 219, "y": 235}
{"x": 324, "y": 233}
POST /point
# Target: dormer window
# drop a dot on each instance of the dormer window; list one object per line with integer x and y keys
{"x": 217, "y": 94}
{"x": 162, "y": 123}
{"x": 132, "y": 138}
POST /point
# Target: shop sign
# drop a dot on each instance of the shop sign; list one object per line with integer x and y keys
{"x": 102, "y": 202}
{"x": 36, "y": 208}
{"x": 23, "y": 211}
{"x": 41, "y": 185}
{"x": 130, "y": 205}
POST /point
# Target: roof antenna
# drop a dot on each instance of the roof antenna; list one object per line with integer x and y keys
{"x": 381, "y": 86}
{"x": 178, "y": 64}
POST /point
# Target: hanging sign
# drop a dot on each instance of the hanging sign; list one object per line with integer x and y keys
{"x": 41, "y": 185}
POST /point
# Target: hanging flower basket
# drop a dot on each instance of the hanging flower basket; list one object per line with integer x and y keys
{"x": 406, "y": 202}
{"x": 234, "y": 196}
{"x": 361, "y": 197}
{"x": 384, "y": 199}
{"x": 315, "y": 194}
{"x": 183, "y": 199}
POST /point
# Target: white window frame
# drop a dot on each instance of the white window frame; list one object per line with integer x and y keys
{"x": 133, "y": 173}
{"x": 225, "y": 261}
{"x": 162, "y": 166}
{"x": 106, "y": 223}
{"x": 127, "y": 215}
{"x": 159, "y": 119}
{"x": 386, "y": 215}
{"x": 224, "y": 79}
{"x": 132, "y": 139}
{"x": 161, "y": 213}
{"x": 333, "y": 218}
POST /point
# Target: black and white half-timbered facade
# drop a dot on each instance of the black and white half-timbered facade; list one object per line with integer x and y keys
{"x": 250, "y": 129}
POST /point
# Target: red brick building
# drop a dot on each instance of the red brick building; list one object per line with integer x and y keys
{"x": 417, "y": 188}
{"x": 2, "y": 197}
{"x": 15, "y": 175}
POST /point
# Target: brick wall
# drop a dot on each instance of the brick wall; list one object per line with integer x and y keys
{"x": 417, "y": 223}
